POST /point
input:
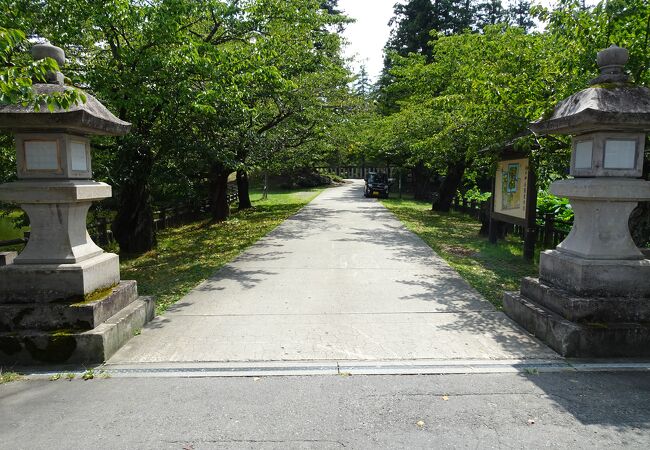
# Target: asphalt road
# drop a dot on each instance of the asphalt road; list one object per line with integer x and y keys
{"x": 560, "y": 410}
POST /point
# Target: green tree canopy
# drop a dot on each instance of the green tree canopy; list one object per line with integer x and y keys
{"x": 209, "y": 86}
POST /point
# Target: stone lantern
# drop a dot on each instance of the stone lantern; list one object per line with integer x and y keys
{"x": 592, "y": 297}
{"x": 61, "y": 300}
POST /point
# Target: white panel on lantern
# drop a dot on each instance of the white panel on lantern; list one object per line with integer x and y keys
{"x": 620, "y": 154}
{"x": 584, "y": 152}
{"x": 78, "y": 156}
{"x": 41, "y": 155}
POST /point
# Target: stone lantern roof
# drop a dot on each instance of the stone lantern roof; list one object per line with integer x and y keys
{"x": 612, "y": 103}
{"x": 89, "y": 118}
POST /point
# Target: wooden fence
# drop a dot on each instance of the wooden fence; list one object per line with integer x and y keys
{"x": 100, "y": 229}
{"x": 353, "y": 172}
{"x": 549, "y": 230}
{"x": 13, "y": 242}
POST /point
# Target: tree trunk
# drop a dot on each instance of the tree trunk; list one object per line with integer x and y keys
{"x": 133, "y": 226}
{"x": 485, "y": 185}
{"x": 265, "y": 192}
{"x": 219, "y": 192}
{"x": 421, "y": 182}
{"x": 242, "y": 190}
{"x": 484, "y": 217}
{"x": 449, "y": 186}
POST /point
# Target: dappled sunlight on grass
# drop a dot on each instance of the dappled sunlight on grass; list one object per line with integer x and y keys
{"x": 8, "y": 377}
{"x": 490, "y": 269}
{"x": 187, "y": 255}
{"x": 8, "y": 228}
{"x": 9, "y": 231}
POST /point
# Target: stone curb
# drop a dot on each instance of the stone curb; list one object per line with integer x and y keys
{"x": 344, "y": 368}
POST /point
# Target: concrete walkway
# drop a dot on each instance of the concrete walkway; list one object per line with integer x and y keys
{"x": 342, "y": 280}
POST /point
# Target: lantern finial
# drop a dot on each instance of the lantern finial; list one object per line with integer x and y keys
{"x": 42, "y": 51}
{"x": 611, "y": 62}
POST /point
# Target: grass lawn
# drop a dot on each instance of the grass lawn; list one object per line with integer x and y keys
{"x": 8, "y": 230}
{"x": 7, "y": 377}
{"x": 189, "y": 254}
{"x": 490, "y": 269}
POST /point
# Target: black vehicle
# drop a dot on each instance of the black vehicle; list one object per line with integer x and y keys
{"x": 376, "y": 185}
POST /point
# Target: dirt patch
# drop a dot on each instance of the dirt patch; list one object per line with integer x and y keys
{"x": 459, "y": 250}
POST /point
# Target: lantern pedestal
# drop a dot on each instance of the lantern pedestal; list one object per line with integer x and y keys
{"x": 57, "y": 213}
{"x": 592, "y": 298}
{"x": 47, "y": 283}
{"x": 602, "y": 207}
{"x": 599, "y": 278}
{"x": 586, "y": 308}
{"x": 61, "y": 299}
{"x": 577, "y": 326}
{"x": 60, "y": 261}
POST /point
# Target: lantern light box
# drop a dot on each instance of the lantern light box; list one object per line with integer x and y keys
{"x": 53, "y": 155}
{"x": 607, "y": 154}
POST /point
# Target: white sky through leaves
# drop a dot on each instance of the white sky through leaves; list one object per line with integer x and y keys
{"x": 369, "y": 34}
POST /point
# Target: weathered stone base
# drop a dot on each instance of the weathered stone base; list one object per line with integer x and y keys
{"x": 599, "y": 278}
{"x": 34, "y": 283}
{"x": 67, "y": 316}
{"x": 578, "y": 326}
{"x": 63, "y": 334}
{"x": 586, "y": 309}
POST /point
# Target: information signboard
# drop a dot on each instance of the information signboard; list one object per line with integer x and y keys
{"x": 511, "y": 188}
{"x": 514, "y": 199}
